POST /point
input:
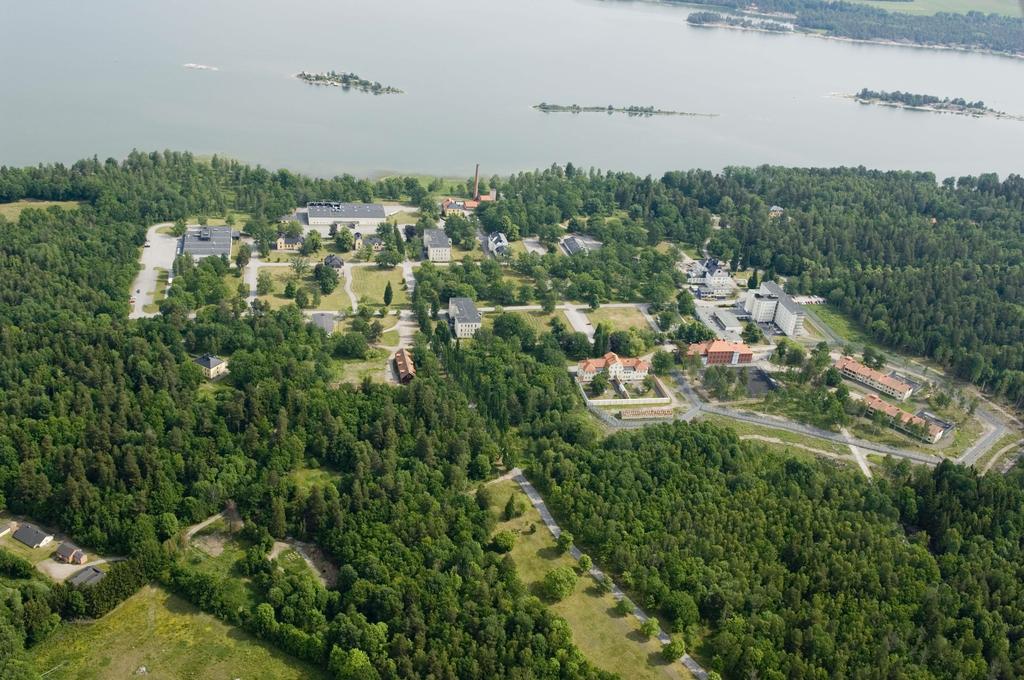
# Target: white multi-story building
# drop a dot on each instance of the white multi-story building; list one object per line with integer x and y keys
{"x": 464, "y": 317}
{"x": 770, "y": 303}
{"x": 437, "y": 246}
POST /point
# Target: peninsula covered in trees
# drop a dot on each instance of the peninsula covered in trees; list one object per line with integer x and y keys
{"x": 927, "y": 102}
{"x": 737, "y": 21}
{"x": 765, "y": 564}
{"x": 641, "y": 111}
{"x": 346, "y": 81}
{"x": 974, "y": 31}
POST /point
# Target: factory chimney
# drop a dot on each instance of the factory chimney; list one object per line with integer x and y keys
{"x": 476, "y": 183}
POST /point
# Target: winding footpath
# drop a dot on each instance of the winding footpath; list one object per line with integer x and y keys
{"x": 549, "y": 521}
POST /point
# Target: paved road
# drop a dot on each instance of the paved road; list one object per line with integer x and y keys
{"x": 994, "y": 431}
{"x": 556, "y": 531}
{"x": 698, "y": 406}
{"x": 161, "y": 253}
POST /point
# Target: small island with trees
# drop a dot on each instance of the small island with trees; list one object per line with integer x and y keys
{"x": 346, "y": 81}
{"x": 639, "y": 111}
{"x": 927, "y": 102}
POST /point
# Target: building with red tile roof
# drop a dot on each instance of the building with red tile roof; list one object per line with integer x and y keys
{"x": 404, "y": 365}
{"x": 617, "y": 368}
{"x": 721, "y": 353}
{"x": 886, "y": 384}
{"x": 915, "y": 426}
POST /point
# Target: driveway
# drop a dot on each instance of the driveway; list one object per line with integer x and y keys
{"x": 60, "y": 572}
{"x": 161, "y": 253}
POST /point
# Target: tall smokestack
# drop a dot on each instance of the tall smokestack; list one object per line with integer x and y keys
{"x": 476, "y": 183}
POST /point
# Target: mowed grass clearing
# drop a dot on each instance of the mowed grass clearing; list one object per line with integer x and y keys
{"x": 13, "y": 209}
{"x": 368, "y": 284}
{"x": 618, "y": 318}
{"x": 609, "y": 641}
{"x": 541, "y": 322}
{"x": 168, "y": 636}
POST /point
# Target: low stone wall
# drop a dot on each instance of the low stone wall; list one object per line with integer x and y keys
{"x": 661, "y": 400}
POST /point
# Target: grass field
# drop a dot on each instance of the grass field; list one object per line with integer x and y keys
{"x": 1008, "y": 7}
{"x": 353, "y": 371}
{"x": 843, "y": 326}
{"x": 368, "y": 284}
{"x": 12, "y": 210}
{"x": 404, "y": 217}
{"x": 540, "y": 321}
{"x": 611, "y": 642}
{"x": 168, "y": 636}
{"x": 619, "y": 318}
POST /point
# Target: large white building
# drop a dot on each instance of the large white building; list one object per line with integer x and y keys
{"x": 326, "y": 213}
{"x": 464, "y": 317}
{"x": 437, "y": 246}
{"x": 770, "y": 303}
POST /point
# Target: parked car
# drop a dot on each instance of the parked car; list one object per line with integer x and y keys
{"x": 146, "y": 244}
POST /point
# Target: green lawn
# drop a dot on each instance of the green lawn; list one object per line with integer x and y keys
{"x": 1008, "y": 7}
{"x": 368, "y": 284}
{"x": 354, "y": 370}
{"x": 33, "y": 555}
{"x": 609, "y": 641}
{"x": 619, "y": 318}
{"x": 13, "y": 210}
{"x": 168, "y": 636}
{"x": 541, "y": 321}
{"x": 843, "y": 326}
{"x": 404, "y": 217}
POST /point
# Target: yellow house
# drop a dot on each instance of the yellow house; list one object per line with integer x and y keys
{"x": 213, "y": 367}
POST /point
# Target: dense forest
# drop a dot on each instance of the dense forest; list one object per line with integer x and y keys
{"x": 104, "y": 433}
{"x": 772, "y": 566}
{"x": 974, "y": 30}
{"x": 801, "y": 570}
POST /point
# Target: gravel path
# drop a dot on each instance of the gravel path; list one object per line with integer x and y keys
{"x": 556, "y": 531}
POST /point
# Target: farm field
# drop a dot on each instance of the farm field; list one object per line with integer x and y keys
{"x": 168, "y": 636}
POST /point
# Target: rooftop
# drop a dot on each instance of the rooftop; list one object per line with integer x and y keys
{"x": 209, "y": 361}
{"x": 717, "y": 346}
{"x": 436, "y": 238}
{"x": 202, "y": 242}
{"x": 860, "y": 370}
{"x": 609, "y": 359}
{"x": 324, "y": 320}
{"x": 86, "y": 577}
{"x": 345, "y": 211}
{"x": 463, "y": 310}
{"x": 876, "y": 403}
{"x": 404, "y": 363}
{"x": 785, "y": 300}
{"x": 66, "y": 550}
{"x": 30, "y": 535}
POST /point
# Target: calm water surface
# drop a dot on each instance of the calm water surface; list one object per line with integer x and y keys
{"x": 105, "y": 76}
